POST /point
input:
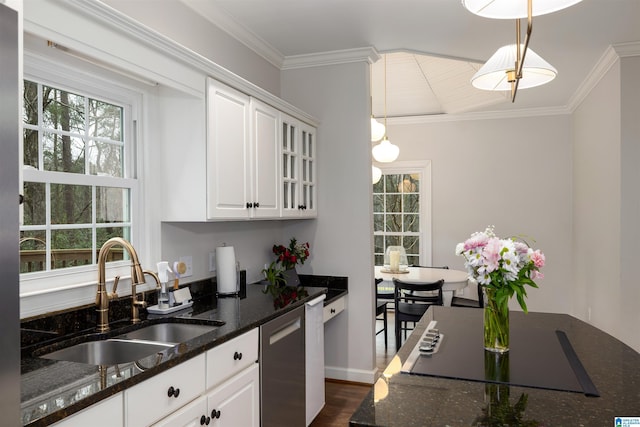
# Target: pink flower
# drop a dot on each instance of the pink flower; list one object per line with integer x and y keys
{"x": 521, "y": 248}
{"x": 538, "y": 258}
{"x": 478, "y": 240}
{"x": 491, "y": 254}
{"x": 535, "y": 274}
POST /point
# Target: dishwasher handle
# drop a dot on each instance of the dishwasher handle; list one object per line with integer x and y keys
{"x": 285, "y": 330}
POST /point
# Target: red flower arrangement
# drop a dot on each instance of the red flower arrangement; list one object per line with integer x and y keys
{"x": 292, "y": 255}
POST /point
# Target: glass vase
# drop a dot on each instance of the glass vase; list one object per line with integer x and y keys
{"x": 496, "y": 323}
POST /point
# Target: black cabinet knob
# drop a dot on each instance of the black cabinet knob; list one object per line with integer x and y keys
{"x": 249, "y": 205}
{"x": 256, "y": 204}
{"x": 204, "y": 420}
{"x": 237, "y": 356}
{"x": 333, "y": 310}
{"x": 215, "y": 414}
{"x": 173, "y": 392}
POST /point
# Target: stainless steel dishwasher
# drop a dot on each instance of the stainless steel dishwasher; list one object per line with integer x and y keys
{"x": 282, "y": 370}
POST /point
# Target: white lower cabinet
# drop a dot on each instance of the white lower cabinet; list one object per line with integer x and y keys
{"x": 191, "y": 415}
{"x": 237, "y": 401}
{"x": 227, "y": 359}
{"x": 159, "y": 396}
{"x": 219, "y": 388}
{"x": 108, "y": 413}
{"x": 334, "y": 308}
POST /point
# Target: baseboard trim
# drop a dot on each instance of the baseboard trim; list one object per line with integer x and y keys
{"x": 350, "y": 375}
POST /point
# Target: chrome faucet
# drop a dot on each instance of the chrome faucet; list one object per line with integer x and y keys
{"x": 102, "y": 297}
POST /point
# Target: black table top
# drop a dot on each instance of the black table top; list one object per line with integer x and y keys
{"x": 401, "y": 399}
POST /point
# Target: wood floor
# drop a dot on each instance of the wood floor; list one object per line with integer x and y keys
{"x": 343, "y": 398}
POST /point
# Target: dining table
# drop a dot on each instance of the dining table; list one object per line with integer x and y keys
{"x": 454, "y": 280}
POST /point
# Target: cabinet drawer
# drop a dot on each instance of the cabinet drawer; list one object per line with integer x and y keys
{"x": 151, "y": 400}
{"x": 108, "y": 413}
{"x": 335, "y": 308}
{"x": 231, "y": 357}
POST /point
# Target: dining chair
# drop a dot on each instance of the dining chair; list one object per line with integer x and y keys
{"x": 469, "y": 302}
{"x": 410, "y": 306}
{"x": 381, "y": 308}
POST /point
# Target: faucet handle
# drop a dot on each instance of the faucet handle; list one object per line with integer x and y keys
{"x": 114, "y": 293}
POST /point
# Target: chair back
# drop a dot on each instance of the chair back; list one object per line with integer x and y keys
{"x": 405, "y": 295}
{"x": 382, "y": 295}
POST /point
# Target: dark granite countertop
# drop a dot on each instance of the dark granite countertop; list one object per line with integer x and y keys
{"x": 52, "y": 390}
{"x": 401, "y": 399}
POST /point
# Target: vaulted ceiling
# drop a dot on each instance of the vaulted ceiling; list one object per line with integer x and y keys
{"x": 433, "y": 46}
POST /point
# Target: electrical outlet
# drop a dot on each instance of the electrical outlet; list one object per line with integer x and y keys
{"x": 212, "y": 262}
{"x": 188, "y": 261}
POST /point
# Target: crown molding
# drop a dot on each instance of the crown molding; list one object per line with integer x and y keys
{"x": 346, "y": 56}
{"x": 226, "y": 23}
{"x": 610, "y": 56}
{"x": 627, "y": 49}
{"x": 105, "y": 14}
{"x": 484, "y": 115}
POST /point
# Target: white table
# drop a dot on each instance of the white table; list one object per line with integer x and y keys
{"x": 453, "y": 279}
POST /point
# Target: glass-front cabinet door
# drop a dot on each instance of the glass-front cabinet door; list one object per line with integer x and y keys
{"x": 298, "y": 168}
{"x": 290, "y": 166}
{"x": 308, "y": 171}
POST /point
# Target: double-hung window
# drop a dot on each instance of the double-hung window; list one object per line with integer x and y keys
{"x": 401, "y": 212}
{"x": 79, "y": 188}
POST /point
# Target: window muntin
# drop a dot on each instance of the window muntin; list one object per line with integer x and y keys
{"x": 396, "y": 215}
{"x": 77, "y": 194}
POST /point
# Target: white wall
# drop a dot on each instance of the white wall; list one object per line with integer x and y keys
{"x": 513, "y": 173}
{"x": 342, "y": 234}
{"x": 596, "y": 219}
{"x": 607, "y": 203}
{"x": 630, "y": 148}
{"x": 175, "y": 20}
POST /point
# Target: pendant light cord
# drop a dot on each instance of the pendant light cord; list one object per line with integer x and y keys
{"x": 385, "y": 94}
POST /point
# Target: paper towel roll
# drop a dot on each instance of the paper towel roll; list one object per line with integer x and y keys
{"x": 226, "y": 270}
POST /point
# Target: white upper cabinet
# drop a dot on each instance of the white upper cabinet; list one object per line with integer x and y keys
{"x": 298, "y": 168}
{"x": 243, "y": 181}
{"x": 256, "y": 163}
{"x": 265, "y": 178}
{"x": 228, "y": 152}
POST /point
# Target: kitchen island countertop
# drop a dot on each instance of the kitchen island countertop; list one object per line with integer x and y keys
{"x": 402, "y": 399}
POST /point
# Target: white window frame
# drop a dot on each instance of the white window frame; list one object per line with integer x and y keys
{"x": 423, "y": 168}
{"x": 69, "y": 287}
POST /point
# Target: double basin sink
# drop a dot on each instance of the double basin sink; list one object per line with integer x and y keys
{"x": 133, "y": 345}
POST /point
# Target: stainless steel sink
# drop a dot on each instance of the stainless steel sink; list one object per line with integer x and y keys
{"x": 169, "y": 333}
{"x": 108, "y": 352}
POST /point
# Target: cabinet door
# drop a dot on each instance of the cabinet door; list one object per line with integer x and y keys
{"x": 108, "y": 413}
{"x": 308, "y": 187}
{"x": 237, "y": 401}
{"x": 289, "y": 143}
{"x": 228, "y": 152}
{"x": 191, "y": 415}
{"x": 265, "y": 177}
